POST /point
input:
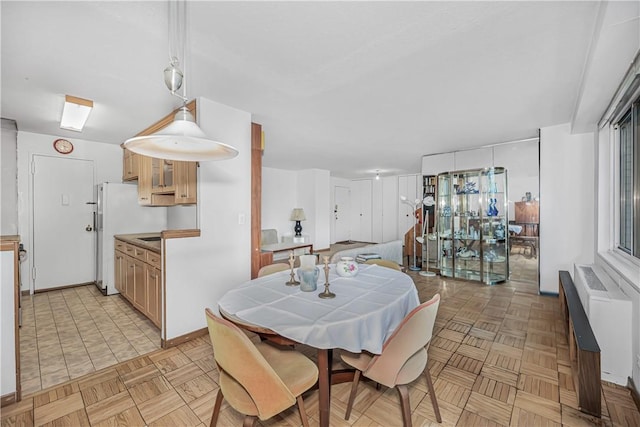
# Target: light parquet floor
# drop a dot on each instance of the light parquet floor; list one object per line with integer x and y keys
{"x": 498, "y": 358}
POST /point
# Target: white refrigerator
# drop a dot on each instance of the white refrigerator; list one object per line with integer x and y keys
{"x": 118, "y": 212}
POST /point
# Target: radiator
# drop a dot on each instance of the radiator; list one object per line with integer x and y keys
{"x": 609, "y": 313}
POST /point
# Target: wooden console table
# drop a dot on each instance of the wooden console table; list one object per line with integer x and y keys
{"x": 268, "y": 252}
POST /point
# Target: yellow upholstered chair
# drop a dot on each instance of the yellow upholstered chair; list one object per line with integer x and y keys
{"x": 403, "y": 358}
{"x": 257, "y": 380}
{"x": 272, "y": 268}
{"x": 384, "y": 263}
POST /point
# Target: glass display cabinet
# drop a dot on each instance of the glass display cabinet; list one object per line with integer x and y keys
{"x": 473, "y": 225}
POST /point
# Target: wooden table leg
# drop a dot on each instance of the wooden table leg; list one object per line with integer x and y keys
{"x": 325, "y": 360}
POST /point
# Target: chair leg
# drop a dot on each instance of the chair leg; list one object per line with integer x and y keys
{"x": 432, "y": 394}
{"x": 249, "y": 421}
{"x": 403, "y": 391}
{"x": 303, "y": 413}
{"x": 216, "y": 409}
{"x": 352, "y": 396}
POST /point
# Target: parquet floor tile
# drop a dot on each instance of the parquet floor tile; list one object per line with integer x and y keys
{"x": 489, "y": 408}
{"x": 498, "y": 357}
{"x": 497, "y": 390}
{"x": 538, "y": 405}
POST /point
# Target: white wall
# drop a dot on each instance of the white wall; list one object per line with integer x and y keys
{"x": 523, "y": 170}
{"x": 313, "y": 196}
{"x": 107, "y": 161}
{"x": 309, "y": 189}
{"x": 182, "y": 217}
{"x": 567, "y": 198}
{"x": 279, "y": 197}
{"x": 200, "y": 270}
{"x": 9, "y": 181}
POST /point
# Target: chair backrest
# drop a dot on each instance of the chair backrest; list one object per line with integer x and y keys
{"x": 268, "y": 236}
{"x": 384, "y": 263}
{"x": 239, "y": 358}
{"x": 411, "y": 336}
{"x": 272, "y": 268}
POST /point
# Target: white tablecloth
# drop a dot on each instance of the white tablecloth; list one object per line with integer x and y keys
{"x": 366, "y": 310}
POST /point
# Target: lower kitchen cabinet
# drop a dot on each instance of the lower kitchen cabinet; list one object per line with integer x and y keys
{"x": 140, "y": 282}
{"x": 153, "y": 290}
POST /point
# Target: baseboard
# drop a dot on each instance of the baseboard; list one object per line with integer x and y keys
{"x": 634, "y": 392}
{"x": 63, "y": 287}
{"x": 173, "y": 342}
{"x": 7, "y": 399}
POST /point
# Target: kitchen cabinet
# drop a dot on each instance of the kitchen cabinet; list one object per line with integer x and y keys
{"x": 153, "y": 291}
{"x": 10, "y": 331}
{"x": 144, "y": 181}
{"x": 120, "y": 270}
{"x": 130, "y": 165}
{"x": 472, "y": 225}
{"x": 186, "y": 177}
{"x": 167, "y": 182}
{"x": 138, "y": 277}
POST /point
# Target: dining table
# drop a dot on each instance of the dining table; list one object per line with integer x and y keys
{"x": 365, "y": 311}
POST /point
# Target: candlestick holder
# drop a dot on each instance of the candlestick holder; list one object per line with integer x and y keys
{"x": 326, "y": 293}
{"x": 292, "y": 281}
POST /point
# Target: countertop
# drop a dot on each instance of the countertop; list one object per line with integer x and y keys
{"x": 136, "y": 239}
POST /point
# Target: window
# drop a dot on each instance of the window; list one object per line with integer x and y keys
{"x": 629, "y": 165}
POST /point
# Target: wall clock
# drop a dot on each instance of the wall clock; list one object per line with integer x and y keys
{"x": 63, "y": 146}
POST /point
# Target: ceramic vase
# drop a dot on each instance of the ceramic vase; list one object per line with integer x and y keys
{"x": 346, "y": 267}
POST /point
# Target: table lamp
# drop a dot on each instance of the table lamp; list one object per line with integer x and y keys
{"x": 297, "y": 215}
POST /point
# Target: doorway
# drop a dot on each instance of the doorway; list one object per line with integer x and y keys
{"x": 341, "y": 214}
{"x": 63, "y": 249}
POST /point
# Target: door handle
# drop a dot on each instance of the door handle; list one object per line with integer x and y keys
{"x": 89, "y": 228}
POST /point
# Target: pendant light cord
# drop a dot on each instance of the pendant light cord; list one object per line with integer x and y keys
{"x": 177, "y": 28}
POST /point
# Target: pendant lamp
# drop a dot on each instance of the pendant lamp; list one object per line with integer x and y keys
{"x": 183, "y": 139}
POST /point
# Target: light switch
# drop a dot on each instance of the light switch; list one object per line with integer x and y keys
{"x": 241, "y": 219}
{"x": 65, "y": 200}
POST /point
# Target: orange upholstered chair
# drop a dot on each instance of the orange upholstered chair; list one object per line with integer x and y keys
{"x": 272, "y": 268}
{"x": 403, "y": 358}
{"x": 257, "y": 380}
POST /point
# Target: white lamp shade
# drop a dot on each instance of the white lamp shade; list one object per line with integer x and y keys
{"x": 181, "y": 140}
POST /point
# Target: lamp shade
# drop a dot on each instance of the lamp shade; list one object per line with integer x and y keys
{"x": 297, "y": 214}
{"x": 181, "y": 140}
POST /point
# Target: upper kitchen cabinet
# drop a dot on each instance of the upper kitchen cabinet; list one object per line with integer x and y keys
{"x": 167, "y": 182}
{"x": 162, "y": 182}
{"x": 130, "y": 165}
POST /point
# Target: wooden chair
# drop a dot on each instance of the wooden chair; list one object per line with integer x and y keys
{"x": 272, "y": 268}
{"x": 384, "y": 263}
{"x": 403, "y": 359}
{"x": 257, "y": 380}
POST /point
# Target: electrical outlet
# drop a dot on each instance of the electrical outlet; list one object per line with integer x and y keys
{"x": 638, "y": 360}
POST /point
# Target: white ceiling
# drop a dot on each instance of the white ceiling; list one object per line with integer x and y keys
{"x": 352, "y": 87}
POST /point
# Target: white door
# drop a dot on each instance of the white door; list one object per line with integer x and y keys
{"x": 341, "y": 214}
{"x": 63, "y": 236}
